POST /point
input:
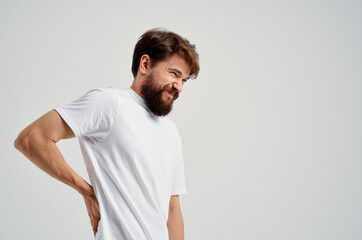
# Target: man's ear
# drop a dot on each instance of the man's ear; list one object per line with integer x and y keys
{"x": 145, "y": 64}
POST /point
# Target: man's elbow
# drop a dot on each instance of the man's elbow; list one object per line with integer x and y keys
{"x": 20, "y": 143}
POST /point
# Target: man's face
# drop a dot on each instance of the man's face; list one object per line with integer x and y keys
{"x": 164, "y": 84}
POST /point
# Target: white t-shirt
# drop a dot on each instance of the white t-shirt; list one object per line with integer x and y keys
{"x": 133, "y": 158}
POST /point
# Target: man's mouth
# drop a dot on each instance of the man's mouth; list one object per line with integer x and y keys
{"x": 171, "y": 94}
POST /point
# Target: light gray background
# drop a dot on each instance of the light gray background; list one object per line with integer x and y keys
{"x": 271, "y": 129}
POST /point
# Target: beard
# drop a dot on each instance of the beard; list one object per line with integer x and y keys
{"x": 152, "y": 94}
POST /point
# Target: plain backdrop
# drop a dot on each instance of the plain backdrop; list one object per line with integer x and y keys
{"x": 271, "y": 128}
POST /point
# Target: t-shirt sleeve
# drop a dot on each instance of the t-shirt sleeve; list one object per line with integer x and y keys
{"x": 179, "y": 183}
{"x": 92, "y": 115}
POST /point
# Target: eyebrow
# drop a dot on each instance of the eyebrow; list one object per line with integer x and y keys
{"x": 179, "y": 72}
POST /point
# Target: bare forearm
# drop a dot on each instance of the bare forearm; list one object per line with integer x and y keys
{"x": 46, "y": 155}
{"x": 175, "y": 225}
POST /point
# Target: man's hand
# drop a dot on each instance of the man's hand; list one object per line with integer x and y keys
{"x": 92, "y": 204}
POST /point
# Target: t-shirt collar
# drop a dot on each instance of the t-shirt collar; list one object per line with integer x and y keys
{"x": 138, "y": 98}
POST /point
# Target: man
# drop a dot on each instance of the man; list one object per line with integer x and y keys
{"x": 132, "y": 150}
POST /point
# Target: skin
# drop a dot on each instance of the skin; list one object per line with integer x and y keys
{"x": 38, "y": 140}
{"x": 156, "y": 84}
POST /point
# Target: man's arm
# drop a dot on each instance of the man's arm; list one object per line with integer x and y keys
{"x": 38, "y": 143}
{"x": 175, "y": 222}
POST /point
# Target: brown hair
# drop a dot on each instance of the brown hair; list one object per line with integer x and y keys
{"x": 160, "y": 44}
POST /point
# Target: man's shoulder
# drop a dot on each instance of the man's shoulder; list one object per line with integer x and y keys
{"x": 110, "y": 93}
{"x": 114, "y": 91}
{"x": 101, "y": 97}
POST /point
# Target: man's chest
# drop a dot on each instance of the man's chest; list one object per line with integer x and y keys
{"x": 137, "y": 139}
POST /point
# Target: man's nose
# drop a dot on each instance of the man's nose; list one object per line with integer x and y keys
{"x": 178, "y": 86}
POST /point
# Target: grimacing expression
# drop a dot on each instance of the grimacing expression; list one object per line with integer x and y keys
{"x": 164, "y": 83}
{"x": 153, "y": 96}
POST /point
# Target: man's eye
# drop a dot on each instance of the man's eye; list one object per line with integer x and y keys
{"x": 174, "y": 74}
